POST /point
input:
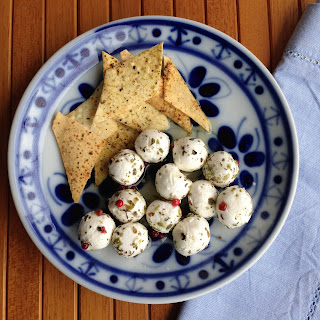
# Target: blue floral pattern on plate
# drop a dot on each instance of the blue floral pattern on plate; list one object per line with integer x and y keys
{"x": 249, "y": 118}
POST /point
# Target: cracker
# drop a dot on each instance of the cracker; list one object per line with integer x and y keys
{"x": 126, "y": 89}
{"x": 177, "y": 116}
{"x": 124, "y": 138}
{"x": 79, "y": 150}
{"x": 85, "y": 112}
{"x": 177, "y": 93}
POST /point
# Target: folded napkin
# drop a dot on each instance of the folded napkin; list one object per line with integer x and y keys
{"x": 285, "y": 282}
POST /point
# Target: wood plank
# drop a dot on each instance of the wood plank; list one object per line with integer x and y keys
{"x": 164, "y": 7}
{"x": 284, "y": 16}
{"x": 125, "y": 8}
{"x": 94, "y": 306}
{"x": 91, "y": 304}
{"x": 131, "y": 311}
{"x": 61, "y": 24}
{"x": 60, "y": 294}
{"x": 222, "y": 15}
{"x": 254, "y": 28}
{"x": 24, "y": 275}
{"x": 190, "y": 9}
{"x": 5, "y": 94}
{"x": 165, "y": 311}
{"x": 92, "y": 15}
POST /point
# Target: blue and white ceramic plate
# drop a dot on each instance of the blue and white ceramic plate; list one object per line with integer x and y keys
{"x": 249, "y": 118}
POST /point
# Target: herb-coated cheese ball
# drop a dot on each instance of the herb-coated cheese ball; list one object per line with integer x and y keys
{"x": 152, "y": 145}
{"x": 189, "y": 154}
{"x": 191, "y": 235}
{"x": 127, "y": 205}
{"x": 221, "y": 168}
{"x": 234, "y": 207}
{"x": 95, "y": 230}
{"x": 126, "y": 167}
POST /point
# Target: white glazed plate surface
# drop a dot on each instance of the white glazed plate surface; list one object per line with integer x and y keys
{"x": 249, "y": 118}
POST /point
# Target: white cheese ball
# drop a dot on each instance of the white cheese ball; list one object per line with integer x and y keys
{"x": 189, "y": 154}
{"x": 162, "y": 216}
{"x": 130, "y": 239}
{"x": 191, "y": 235}
{"x": 126, "y": 167}
{"x": 202, "y": 198}
{"x": 127, "y": 205}
{"x": 220, "y": 168}
{"x": 95, "y": 230}
{"x": 171, "y": 183}
{"x": 152, "y": 145}
{"x": 234, "y": 207}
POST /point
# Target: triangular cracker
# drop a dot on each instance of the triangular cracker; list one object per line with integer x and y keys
{"x": 124, "y": 138}
{"x": 127, "y": 87}
{"x": 79, "y": 150}
{"x": 177, "y": 93}
{"x": 85, "y": 112}
{"x": 180, "y": 118}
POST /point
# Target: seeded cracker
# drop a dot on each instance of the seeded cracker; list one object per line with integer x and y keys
{"x": 124, "y": 138}
{"x": 79, "y": 150}
{"x": 85, "y": 112}
{"x": 126, "y": 89}
{"x": 180, "y": 118}
{"x": 178, "y": 94}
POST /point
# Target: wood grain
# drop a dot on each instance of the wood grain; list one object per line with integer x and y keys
{"x": 125, "y": 8}
{"x": 24, "y": 275}
{"x": 190, "y": 9}
{"x": 60, "y": 294}
{"x": 254, "y": 28}
{"x": 131, "y": 311}
{"x": 164, "y": 7}
{"x": 61, "y": 24}
{"x": 93, "y": 306}
{"x": 222, "y": 15}
{"x": 5, "y": 94}
{"x": 284, "y": 17}
{"x": 92, "y": 15}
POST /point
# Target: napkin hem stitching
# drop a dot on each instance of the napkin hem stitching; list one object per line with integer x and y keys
{"x": 315, "y": 301}
{"x": 303, "y": 57}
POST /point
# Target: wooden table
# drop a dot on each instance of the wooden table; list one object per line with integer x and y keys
{"x": 30, "y": 32}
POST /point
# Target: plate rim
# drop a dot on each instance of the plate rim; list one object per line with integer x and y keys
{"x": 185, "y": 296}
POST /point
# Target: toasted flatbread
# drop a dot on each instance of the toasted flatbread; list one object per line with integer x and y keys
{"x": 124, "y": 138}
{"x": 127, "y": 87}
{"x": 177, "y": 93}
{"x": 177, "y": 116}
{"x": 109, "y": 62}
{"x": 85, "y": 112}
{"x": 79, "y": 150}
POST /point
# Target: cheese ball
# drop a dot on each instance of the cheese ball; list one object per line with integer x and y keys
{"x": 189, "y": 154}
{"x": 95, "y": 230}
{"x": 162, "y": 216}
{"x": 152, "y": 145}
{"x": 202, "y": 198}
{"x": 171, "y": 183}
{"x": 221, "y": 168}
{"x": 127, "y": 205}
{"x": 191, "y": 235}
{"x": 126, "y": 167}
{"x": 130, "y": 239}
{"x": 234, "y": 207}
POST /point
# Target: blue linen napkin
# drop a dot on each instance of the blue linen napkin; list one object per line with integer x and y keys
{"x": 285, "y": 282}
